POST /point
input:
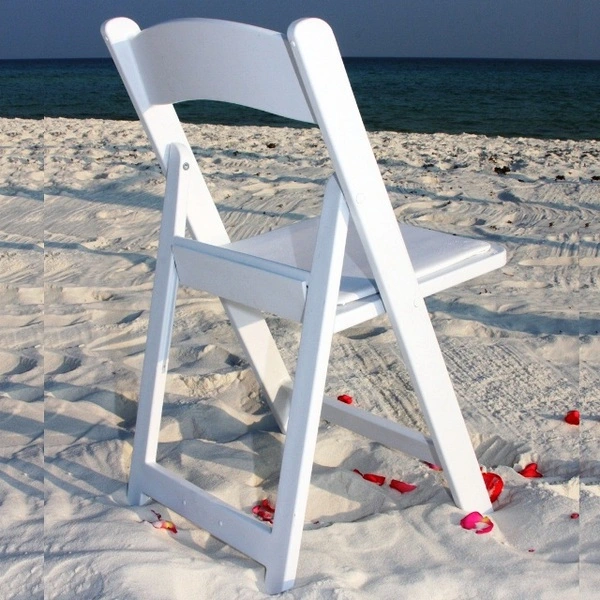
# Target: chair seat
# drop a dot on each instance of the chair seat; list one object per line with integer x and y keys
{"x": 440, "y": 260}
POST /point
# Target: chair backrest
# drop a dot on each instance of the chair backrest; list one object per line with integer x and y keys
{"x": 300, "y": 76}
{"x": 203, "y": 59}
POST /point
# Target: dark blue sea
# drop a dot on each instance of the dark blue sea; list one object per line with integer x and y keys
{"x": 543, "y": 99}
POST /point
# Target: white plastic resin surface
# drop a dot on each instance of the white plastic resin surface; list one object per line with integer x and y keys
{"x": 433, "y": 255}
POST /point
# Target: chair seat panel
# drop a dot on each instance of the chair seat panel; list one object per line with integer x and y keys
{"x": 440, "y": 260}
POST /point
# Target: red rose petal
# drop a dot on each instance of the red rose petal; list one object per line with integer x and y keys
{"x": 264, "y": 515}
{"x": 345, "y": 398}
{"x": 493, "y": 484}
{"x": 433, "y": 466}
{"x": 572, "y": 417}
{"x": 372, "y": 477}
{"x": 574, "y": 515}
{"x": 264, "y": 510}
{"x": 531, "y": 471}
{"x": 402, "y": 486}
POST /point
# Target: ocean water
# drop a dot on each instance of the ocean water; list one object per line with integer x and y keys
{"x": 543, "y": 99}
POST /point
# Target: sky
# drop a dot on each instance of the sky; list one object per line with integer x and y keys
{"x": 555, "y": 29}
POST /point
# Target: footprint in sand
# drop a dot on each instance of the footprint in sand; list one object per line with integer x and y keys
{"x": 76, "y": 295}
{"x": 495, "y": 450}
{"x": 69, "y": 363}
{"x": 24, "y": 364}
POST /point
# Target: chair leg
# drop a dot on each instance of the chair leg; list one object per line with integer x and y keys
{"x": 307, "y": 397}
{"x": 406, "y": 309}
{"x": 154, "y": 377}
{"x": 297, "y": 462}
{"x": 162, "y": 308}
{"x": 453, "y": 445}
{"x": 427, "y": 368}
{"x": 269, "y": 369}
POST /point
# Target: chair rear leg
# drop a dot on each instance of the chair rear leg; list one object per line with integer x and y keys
{"x": 269, "y": 369}
{"x": 427, "y": 368}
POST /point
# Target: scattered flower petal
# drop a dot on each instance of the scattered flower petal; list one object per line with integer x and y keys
{"x": 345, "y": 398}
{"x": 433, "y": 466}
{"x": 373, "y": 477}
{"x": 264, "y": 511}
{"x": 574, "y": 515}
{"x": 168, "y": 525}
{"x": 160, "y": 523}
{"x": 572, "y": 417}
{"x": 402, "y": 486}
{"x": 471, "y": 520}
{"x": 531, "y": 471}
{"x": 493, "y": 484}
{"x": 478, "y": 522}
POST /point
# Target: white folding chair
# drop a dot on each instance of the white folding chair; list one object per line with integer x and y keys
{"x": 329, "y": 273}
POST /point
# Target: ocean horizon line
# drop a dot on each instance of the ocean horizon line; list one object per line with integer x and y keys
{"x": 351, "y": 57}
{"x": 535, "y": 98}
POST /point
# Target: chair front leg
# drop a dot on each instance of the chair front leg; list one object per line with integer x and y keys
{"x": 309, "y": 386}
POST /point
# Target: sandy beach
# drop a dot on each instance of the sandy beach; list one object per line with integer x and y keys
{"x": 80, "y": 207}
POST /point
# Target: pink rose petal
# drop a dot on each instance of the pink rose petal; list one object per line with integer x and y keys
{"x": 478, "y": 522}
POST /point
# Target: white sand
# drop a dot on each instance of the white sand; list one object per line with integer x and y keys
{"x": 521, "y": 345}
